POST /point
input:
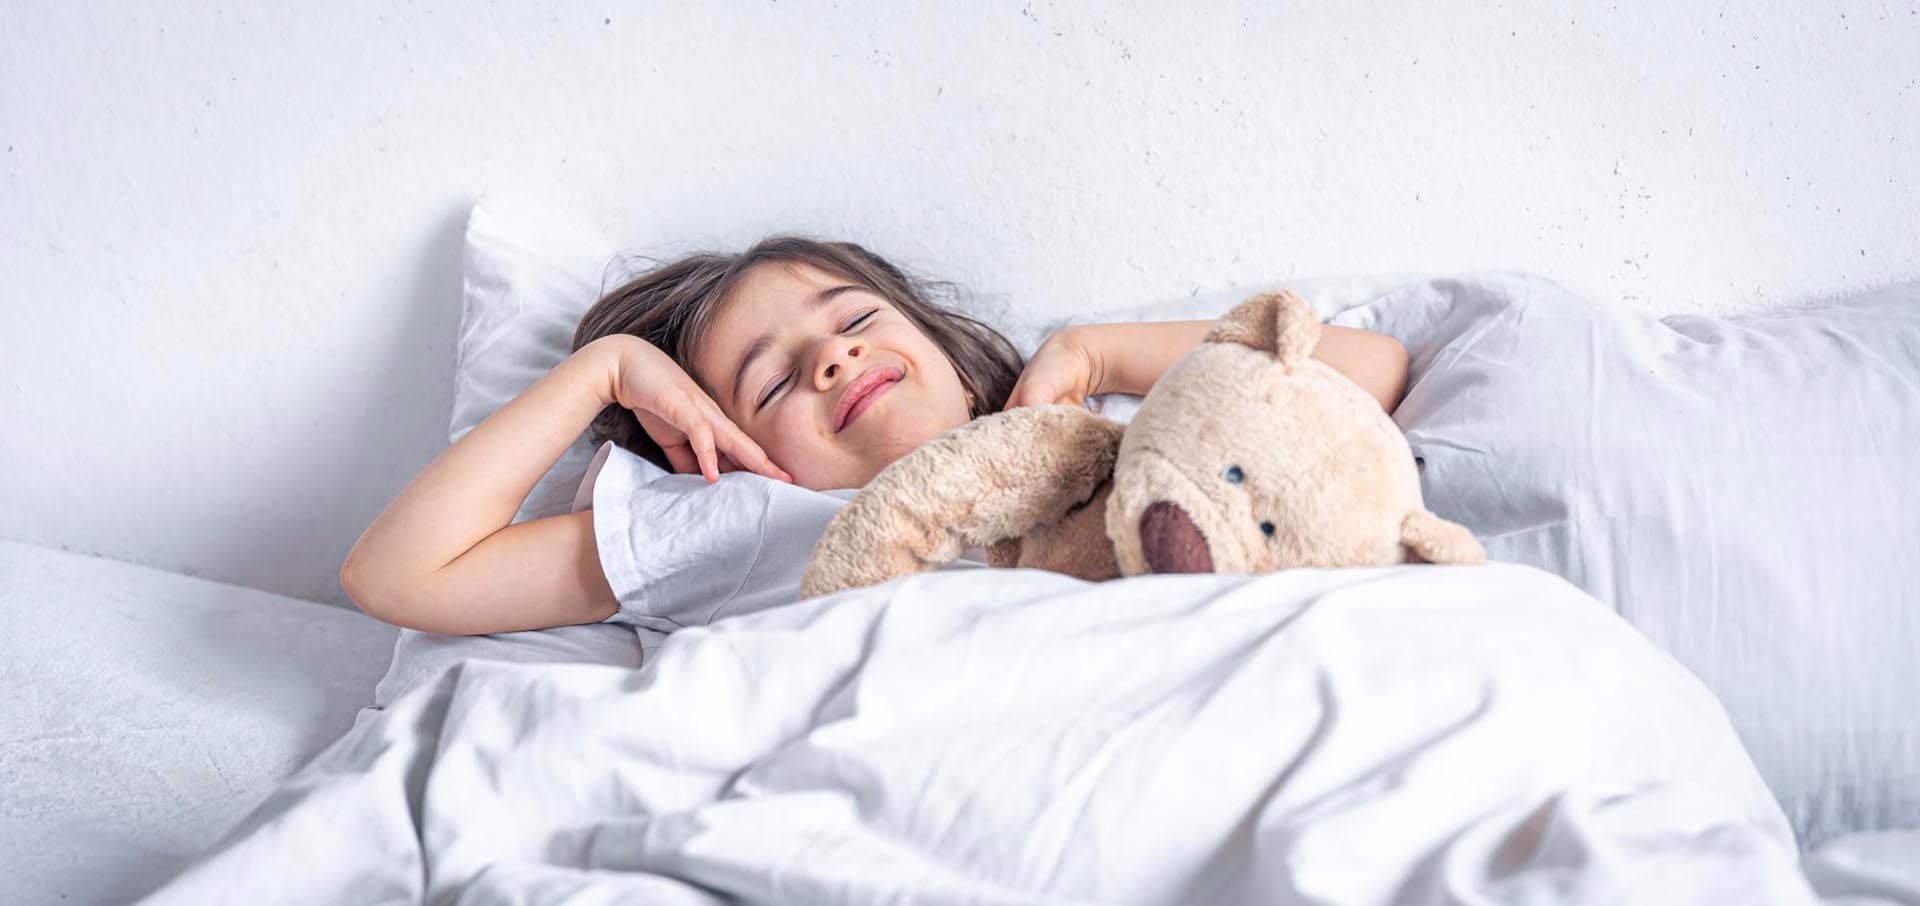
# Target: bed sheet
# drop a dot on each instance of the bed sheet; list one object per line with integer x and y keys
{"x": 147, "y": 712}
{"x": 419, "y": 656}
{"x": 1402, "y": 734}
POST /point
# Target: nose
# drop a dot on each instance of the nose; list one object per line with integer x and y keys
{"x": 834, "y": 355}
{"x": 1171, "y": 542}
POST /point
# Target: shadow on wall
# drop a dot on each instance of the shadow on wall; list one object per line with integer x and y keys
{"x": 352, "y": 466}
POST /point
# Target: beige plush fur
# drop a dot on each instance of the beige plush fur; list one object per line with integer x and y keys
{"x": 1247, "y": 429}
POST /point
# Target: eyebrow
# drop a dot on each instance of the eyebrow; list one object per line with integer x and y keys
{"x": 765, "y": 341}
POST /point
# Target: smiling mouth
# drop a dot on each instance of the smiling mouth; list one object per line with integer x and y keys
{"x": 862, "y": 392}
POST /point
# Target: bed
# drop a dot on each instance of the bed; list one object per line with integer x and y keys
{"x": 1762, "y": 743}
{"x": 148, "y": 711}
{"x": 153, "y": 712}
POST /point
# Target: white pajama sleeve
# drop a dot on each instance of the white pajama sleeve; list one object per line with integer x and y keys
{"x": 680, "y": 552}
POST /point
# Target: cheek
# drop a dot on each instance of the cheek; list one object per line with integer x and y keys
{"x": 789, "y": 437}
{"x": 786, "y": 436}
{"x": 795, "y": 444}
{"x": 951, "y": 389}
{"x": 949, "y": 395}
{"x": 938, "y": 378}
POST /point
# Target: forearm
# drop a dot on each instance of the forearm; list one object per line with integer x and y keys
{"x": 1130, "y": 358}
{"x": 474, "y": 488}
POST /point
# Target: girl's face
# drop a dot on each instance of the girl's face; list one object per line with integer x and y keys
{"x": 826, "y": 376}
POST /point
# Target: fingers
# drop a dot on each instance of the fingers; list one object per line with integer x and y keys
{"x": 697, "y": 437}
{"x": 681, "y": 457}
{"x": 701, "y": 437}
{"x": 1043, "y": 382}
{"x": 686, "y": 462}
{"x": 1021, "y": 395}
{"x": 714, "y": 448}
{"x": 684, "y": 432}
{"x": 1038, "y": 393}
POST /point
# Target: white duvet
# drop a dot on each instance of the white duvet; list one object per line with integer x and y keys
{"x": 1407, "y": 734}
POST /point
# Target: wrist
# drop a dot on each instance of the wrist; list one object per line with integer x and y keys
{"x": 1089, "y": 342}
{"x": 1130, "y": 357}
{"x": 603, "y": 360}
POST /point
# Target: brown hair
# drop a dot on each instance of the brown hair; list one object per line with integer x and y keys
{"x": 673, "y": 304}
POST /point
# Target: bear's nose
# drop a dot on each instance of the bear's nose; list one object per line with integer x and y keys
{"x": 1172, "y": 542}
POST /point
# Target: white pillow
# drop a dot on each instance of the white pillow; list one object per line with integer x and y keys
{"x": 1740, "y": 488}
{"x": 530, "y": 276}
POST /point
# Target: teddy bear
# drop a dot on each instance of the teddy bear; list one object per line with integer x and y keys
{"x": 1247, "y": 456}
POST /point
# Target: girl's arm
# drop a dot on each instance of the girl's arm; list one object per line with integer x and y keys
{"x": 1089, "y": 359}
{"x": 442, "y": 558}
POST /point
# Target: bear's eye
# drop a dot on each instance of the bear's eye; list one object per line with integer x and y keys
{"x": 1234, "y": 475}
{"x": 1266, "y": 528}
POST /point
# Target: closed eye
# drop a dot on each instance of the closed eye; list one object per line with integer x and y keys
{"x": 768, "y": 396}
{"x": 858, "y": 322}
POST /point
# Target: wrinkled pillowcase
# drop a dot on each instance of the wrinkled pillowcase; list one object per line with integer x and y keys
{"x": 1740, "y": 488}
{"x": 529, "y": 276}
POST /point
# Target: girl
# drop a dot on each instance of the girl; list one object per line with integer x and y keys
{"x": 811, "y": 362}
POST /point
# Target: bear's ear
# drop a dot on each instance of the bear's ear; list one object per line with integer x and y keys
{"x": 1281, "y": 324}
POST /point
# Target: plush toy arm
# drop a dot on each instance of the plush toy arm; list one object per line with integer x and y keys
{"x": 989, "y": 480}
{"x": 1435, "y": 540}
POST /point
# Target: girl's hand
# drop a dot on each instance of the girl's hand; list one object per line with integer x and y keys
{"x": 680, "y": 417}
{"x": 1090, "y": 359}
{"x": 1065, "y": 369}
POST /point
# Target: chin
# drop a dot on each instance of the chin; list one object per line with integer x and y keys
{"x": 903, "y": 436}
{"x": 912, "y": 424}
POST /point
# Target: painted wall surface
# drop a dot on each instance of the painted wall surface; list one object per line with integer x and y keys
{"x": 230, "y": 236}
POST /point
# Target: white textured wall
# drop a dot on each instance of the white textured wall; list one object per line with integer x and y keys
{"x": 230, "y": 238}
